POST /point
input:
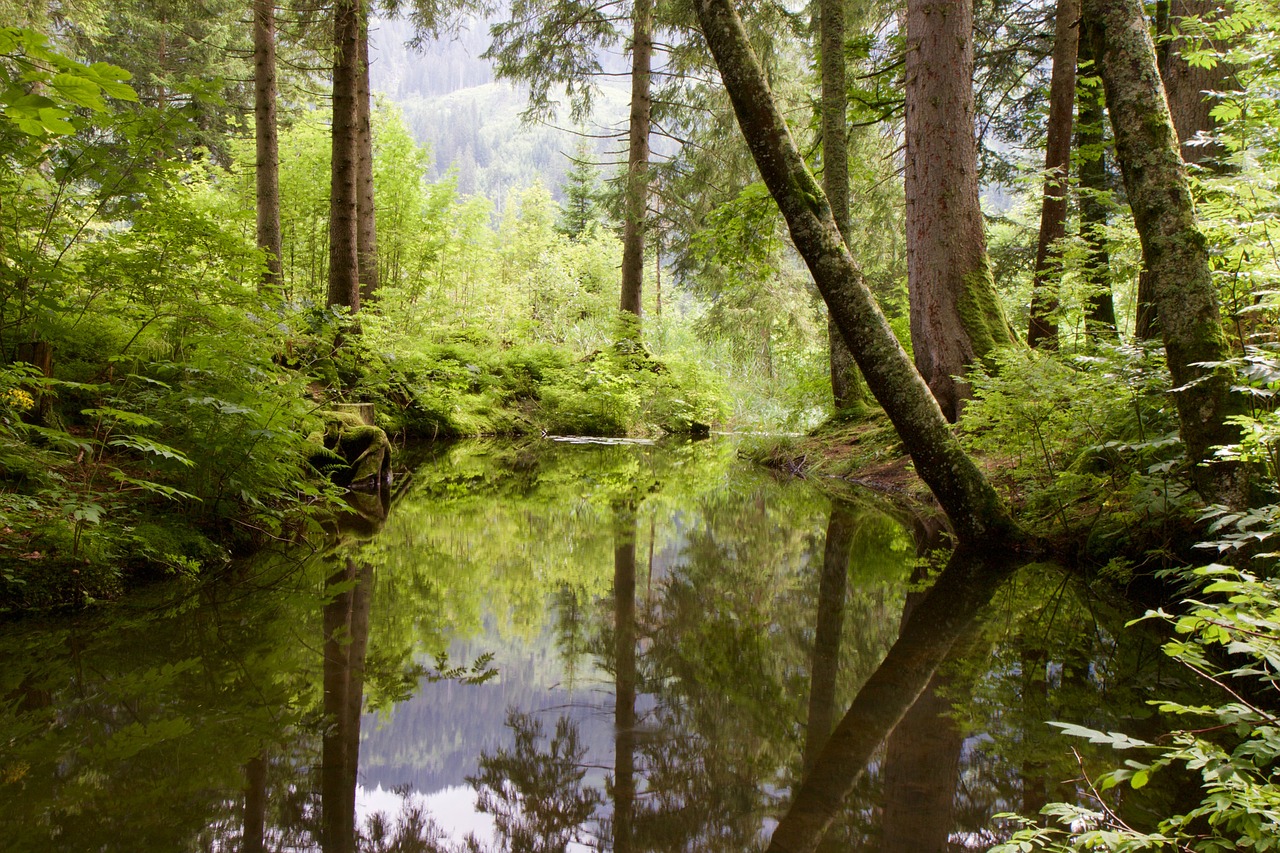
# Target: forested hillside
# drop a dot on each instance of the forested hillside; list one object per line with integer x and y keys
{"x": 245, "y": 247}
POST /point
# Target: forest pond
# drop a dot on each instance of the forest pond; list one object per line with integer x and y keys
{"x": 555, "y": 646}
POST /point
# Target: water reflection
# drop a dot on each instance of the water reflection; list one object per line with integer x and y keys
{"x": 633, "y": 648}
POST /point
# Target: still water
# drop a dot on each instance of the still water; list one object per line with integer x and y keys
{"x": 549, "y": 647}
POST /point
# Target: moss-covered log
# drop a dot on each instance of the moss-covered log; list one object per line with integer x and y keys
{"x": 976, "y": 512}
{"x": 1174, "y": 252}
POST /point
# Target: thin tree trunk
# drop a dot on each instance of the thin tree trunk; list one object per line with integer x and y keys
{"x": 1043, "y": 331}
{"x": 828, "y": 630}
{"x": 366, "y": 227}
{"x": 846, "y": 386}
{"x": 637, "y": 190}
{"x": 344, "y": 263}
{"x": 1100, "y": 310}
{"x": 267, "y": 165}
{"x": 1174, "y": 252}
{"x": 956, "y": 318}
{"x": 972, "y": 505}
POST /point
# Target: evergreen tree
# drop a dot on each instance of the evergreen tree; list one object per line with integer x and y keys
{"x": 581, "y": 212}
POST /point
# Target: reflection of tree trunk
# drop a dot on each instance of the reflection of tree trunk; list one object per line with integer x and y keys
{"x": 937, "y": 622}
{"x": 921, "y": 767}
{"x": 624, "y": 714}
{"x": 346, "y": 629}
{"x": 255, "y": 806}
{"x": 1035, "y": 700}
{"x": 841, "y": 527}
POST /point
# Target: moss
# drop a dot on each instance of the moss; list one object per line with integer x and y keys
{"x": 980, "y": 312}
{"x": 349, "y": 452}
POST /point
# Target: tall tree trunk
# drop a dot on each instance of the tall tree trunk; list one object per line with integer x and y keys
{"x": 846, "y": 385}
{"x": 1100, "y": 310}
{"x": 344, "y": 262}
{"x": 1043, "y": 330}
{"x": 1174, "y": 252}
{"x": 636, "y": 203}
{"x": 828, "y": 630}
{"x": 366, "y": 227}
{"x": 972, "y": 505}
{"x": 267, "y": 164}
{"x": 1186, "y": 84}
{"x": 956, "y": 318}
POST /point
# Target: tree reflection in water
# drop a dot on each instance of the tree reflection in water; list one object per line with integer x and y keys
{"x": 703, "y": 678}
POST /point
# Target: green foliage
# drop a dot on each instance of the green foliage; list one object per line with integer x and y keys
{"x": 1089, "y": 442}
{"x": 1229, "y": 635}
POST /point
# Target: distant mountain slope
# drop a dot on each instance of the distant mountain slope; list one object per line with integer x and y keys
{"x": 452, "y": 104}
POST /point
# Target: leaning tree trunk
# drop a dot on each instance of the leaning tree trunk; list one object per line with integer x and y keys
{"x": 344, "y": 263}
{"x": 636, "y": 203}
{"x": 1043, "y": 330}
{"x": 846, "y": 386}
{"x": 366, "y": 228}
{"x": 1174, "y": 252}
{"x": 267, "y": 165}
{"x": 1100, "y": 309}
{"x": 956, "y": 317}
{"x": 975, "y": 510}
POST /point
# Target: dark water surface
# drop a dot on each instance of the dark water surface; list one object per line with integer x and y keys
{"x": 556, "y": 647}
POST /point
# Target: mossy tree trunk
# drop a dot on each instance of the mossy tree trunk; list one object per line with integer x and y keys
{"x": 847, "y": 388}
{"x": 344, "y": 263}
{"x": 975, "y": 510}
{"x": 1043, "y": 329}
{"x": 636, "y": 203}
{"x": 1175, "y": 253}
{"x": 956, "y": 318}
{"x": 266, "y": 136}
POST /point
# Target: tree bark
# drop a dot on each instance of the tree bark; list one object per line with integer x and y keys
{"x": 846, "y": 386}
{"x": 1185, "y": 84}
{"x": 972, "y": 505}
{"x": 1100, "y": 310}
{"x": 1043, "y": 331}
{"x": 636, "y": 203}
{"x": 344, "y": 263}
{"x": 366, "y": 225}
{"x": 1175, "y": 253}
{"x": 266, "y": 138}
{"x": 956, "y": 318}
